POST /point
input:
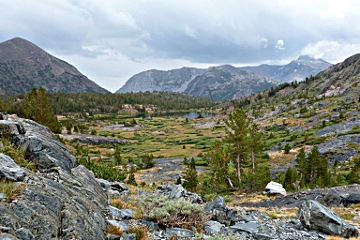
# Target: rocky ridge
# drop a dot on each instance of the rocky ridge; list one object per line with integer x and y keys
{"x": 60, "y": 200}
{"x": 223, "y": 82}
{"x": 23, "y": 66}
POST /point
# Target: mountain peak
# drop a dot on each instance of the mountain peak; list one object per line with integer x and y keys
{"x": 23, "y": 66}
{"x": 305, "y": 58}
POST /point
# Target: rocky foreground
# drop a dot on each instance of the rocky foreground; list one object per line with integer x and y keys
{"x": 60, "y": 200}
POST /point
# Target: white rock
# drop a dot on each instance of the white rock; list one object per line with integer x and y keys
{"x": 275, "y": 188}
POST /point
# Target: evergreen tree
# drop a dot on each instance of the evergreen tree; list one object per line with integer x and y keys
{"x": 290, "y": 178}
{"x": 255, "y": 144}
{"x": 354, "y": 175}
{"x": 191, "y": 178}
{"x": 236, "y": 135}
{"x": 218, "y": 159}
{"x": 117, "y": 155}
{"x": 39, "y": 109}
{"x": 302, "y": 166}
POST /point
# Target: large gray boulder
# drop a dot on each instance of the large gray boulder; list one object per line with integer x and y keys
{"x": 39, "y": 143}
{"x": 60, "y": 201}
{"x": 315, "y": 216}
{"x": 9, "y": 169}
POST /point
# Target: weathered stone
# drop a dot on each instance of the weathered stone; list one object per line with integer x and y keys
{"x": 317, "y": 217}
{"x": 153, "y": 226}
{"x": 250, "y": 227}
{"x": 213, "y": 228}
{"x": 124, "y": 226}
{"x": 131, "y": 236}
{"x": 340, "y": 127}
{"x": 9, "y": 169}
{"x": 6, "y": 236}
{"x": 353, "y": 198}
{"x": 179, "y": 233}
{"x": 117, "y": 214}
{"x": 177, "y": 192}
{"x": 24, "y": 234}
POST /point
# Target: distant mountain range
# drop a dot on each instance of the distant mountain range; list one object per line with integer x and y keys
{"x": 296, "y": 70}
{"x": 23, "y": 66}
{"x": 224, "y": 82}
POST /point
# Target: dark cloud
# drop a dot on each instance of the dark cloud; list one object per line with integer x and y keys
{"x": 112, "y": 39}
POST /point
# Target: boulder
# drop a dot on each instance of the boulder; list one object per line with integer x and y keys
{"x": 249, "y": 227}
{"x": 9, "y": 169}
{"x": 275, "y": 188}
{"x": 353, "y": 198}
{"x": 213, "y": 228}
{"x": 315, "y": 216}
{"x": 179, "y": 233}
{"x": 123, "y": 214}
{"x": 177, "y": 192}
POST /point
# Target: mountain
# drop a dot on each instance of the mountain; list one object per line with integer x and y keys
{"x": 165, "y": 81}
{"x": 322, "y": 111}
{"x": 227, "y": 82}
{"x": 221, "y": 82}
{"x": 23, "y": 66}
{"x": 296, "y": 70}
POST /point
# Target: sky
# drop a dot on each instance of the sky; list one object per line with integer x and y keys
{"x": 111, "y": 40}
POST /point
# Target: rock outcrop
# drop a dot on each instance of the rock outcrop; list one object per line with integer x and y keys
{"x": 315, "y": 216}
{"x": 59, "y": 200}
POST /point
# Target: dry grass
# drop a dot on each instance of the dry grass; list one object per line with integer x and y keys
{"x": 280, "y": 158}
{"x": 340, "y": 238}
{"x": 114, "y": 230}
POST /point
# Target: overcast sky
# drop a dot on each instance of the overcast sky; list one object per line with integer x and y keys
{"x": 111, "y": 40}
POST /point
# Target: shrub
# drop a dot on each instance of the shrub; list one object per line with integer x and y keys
{"x": 10, "y": 189}
{"x": 17, "y": 155}
{"x": 140, "y": 232}
{"x": 172, "y": 213}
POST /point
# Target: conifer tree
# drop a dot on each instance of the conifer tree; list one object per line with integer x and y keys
{"x": 237, "y": 131}
{"x": 218, "y": 159}
{"x": 191, "y": 178}
{"x": 39, "y": 109}
{"x": 302, "y": 166}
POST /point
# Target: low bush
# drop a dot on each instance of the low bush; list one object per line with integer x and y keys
{"x": 172, "y": 213}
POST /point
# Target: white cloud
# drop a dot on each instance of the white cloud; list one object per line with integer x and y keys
{"x": 112, "y": 39}
{"x": 332, "y": 51}
{"x": 280, "y": 44}
{"x": 264, "y": 42}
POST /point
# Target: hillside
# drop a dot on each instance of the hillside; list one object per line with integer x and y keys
{"x": 23, "y": 66}
{"x": 227, "y": 82}
{"x": 322, "y": 111}
{"x": 296, "y": 70}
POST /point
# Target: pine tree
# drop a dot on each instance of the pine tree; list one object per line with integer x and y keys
{"x": 39, "y": 109}
{"x": 191, "y": 178}
{"x": 237, "y": 131}
{"x": 218, "y": 159}
{"x": 255, "y": 144}
{"x": 117, "y": 155}
{"x": 302, "y": 166}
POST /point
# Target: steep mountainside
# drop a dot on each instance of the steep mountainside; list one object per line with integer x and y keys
{"x": 296, "y": 70}
{"x": 323, "y": 111}
{"x": 24, "y": 66}
{"x": 165, "y": 81}
{"x": 227, "y": 82}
